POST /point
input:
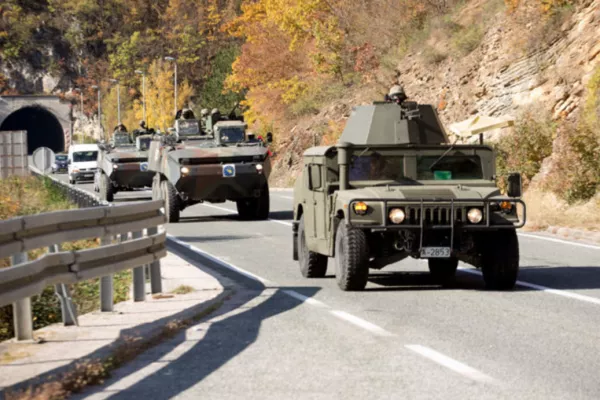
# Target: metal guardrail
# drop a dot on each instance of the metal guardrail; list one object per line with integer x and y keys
{"x": 24, "y": 278}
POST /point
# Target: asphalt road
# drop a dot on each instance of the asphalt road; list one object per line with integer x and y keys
{"x": 283, "y": 336}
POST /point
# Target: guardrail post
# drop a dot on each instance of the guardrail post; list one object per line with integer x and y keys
{"x": 139, "y": 280}
{"x": 22, "y": 316}
{"x": 67, "y": 308}
{"x": 106, "y": 285}
{"x": 155, "y": 275}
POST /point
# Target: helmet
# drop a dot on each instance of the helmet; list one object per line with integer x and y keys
{"x": 204, "y": 112}
{"x": 396, "y": 90}
{"x": 143, "y": 123}
{"x": 215, "y": 111}
{"x": 187, "y": 113}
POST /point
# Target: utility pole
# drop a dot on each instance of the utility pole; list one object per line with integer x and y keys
{"x": 143, "y": 91}
{"x": 174, "y": 60}
{"x": 118, "y": 99}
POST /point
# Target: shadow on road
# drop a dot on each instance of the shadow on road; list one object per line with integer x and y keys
{"x": 282, "y": 215}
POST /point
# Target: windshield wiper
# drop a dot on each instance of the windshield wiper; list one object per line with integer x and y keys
{"x": 443, "y": 155}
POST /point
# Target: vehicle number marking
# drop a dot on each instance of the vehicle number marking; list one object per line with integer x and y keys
{"x": 228, "y": 170}
{"x": 435, "y": 252}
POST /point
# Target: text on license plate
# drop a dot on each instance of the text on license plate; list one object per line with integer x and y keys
{"x": 435, "y": 252}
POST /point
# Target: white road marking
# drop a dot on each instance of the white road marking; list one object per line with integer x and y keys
{"x": 549, "y": 239}
{"x": 546, "y": 289}
{"x": 287, "y": 197}
{"x": 361, "y": 323}
{"x": 230, "y": 210}
{"x": 450, "y": 363}
{"x": 305, "y": 299}
{"x": 222, "y": 263}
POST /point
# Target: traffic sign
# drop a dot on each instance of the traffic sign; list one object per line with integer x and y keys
{"x": 43, "y": 158}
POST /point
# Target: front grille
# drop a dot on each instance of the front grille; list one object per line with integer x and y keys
{"x": 129, "y": 160}
{"x": 435, "y": 214}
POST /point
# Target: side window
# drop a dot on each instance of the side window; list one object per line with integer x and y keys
{"x": 314, "y": 173}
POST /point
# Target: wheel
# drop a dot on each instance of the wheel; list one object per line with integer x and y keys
{"x": 106, "y": 189}
{"x": 351, "y": 258}
{"x": 255, "y": 208}
{"x": 312, "y": 265}
{"x": 171, "y": 198}
{"x": 500, "y": 259}
{"x": 443, "y": 270}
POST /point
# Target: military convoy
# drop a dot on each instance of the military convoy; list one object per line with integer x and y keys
{"x": 212, "y": 160}
{"x": 123, "y": 165}
{"x": 394, "y": 187}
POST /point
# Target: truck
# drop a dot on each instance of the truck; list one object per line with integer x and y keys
{"x": 123, "y": 166}
{"x": 394, "y": 187}
{"x": 213, "y": 163}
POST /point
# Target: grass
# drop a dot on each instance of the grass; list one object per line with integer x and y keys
{"x": 183, "y": 289}
{"x": 546, "y": 210}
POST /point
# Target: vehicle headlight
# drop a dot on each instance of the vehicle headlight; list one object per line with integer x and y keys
{"x": 185, "y": 170}
{"x": 115, "y": 166}
{"x": 75, "y": 170}
{"x": 360, "y": 208}
{"x": 397, "y": 215}
{"x": 475, "y": 215}
{"x": 259, "y": 167}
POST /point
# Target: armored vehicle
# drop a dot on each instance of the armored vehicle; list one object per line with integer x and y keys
{"x": 123, "y": 166}
{"x": 214, "y": 164}
{"x": 394, "y": 187}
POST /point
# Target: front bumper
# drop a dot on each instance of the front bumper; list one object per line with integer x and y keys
{"x": 436, "y": 214}
{"x": 208, "y": 182}
{"x": 83, "y": 175}
{"x": 132, "y": 175}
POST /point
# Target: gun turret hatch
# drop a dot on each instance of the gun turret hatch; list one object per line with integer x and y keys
{"x": 390, "y": 123}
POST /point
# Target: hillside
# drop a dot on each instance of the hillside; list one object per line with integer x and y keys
{"x": 300, "y": 66}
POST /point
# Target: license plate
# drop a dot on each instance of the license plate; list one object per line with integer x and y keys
{"x": 435, "y": 252}
{"x": 229, "y": 171}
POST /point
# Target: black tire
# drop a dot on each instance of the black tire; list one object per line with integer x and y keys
{"x": 443, "y": 270}
{"x": 351, "y": 258}
{"x": 255, "y": 208}
{"x": 106, "y": 189}
{"x": 500, "y": 259}
{"x": 312, "y": 265}
{"x": 172, "y": 207}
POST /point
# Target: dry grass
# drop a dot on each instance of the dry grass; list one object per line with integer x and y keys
{"x": 183, "y": 289}
{"x": 546, "y": 209}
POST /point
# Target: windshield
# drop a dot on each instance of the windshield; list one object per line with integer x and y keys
{"x": 121, "y": 140}
{"x": 376, "y": 166}
{"x": 61, "y": 158}
{"x": 450, "y": 167}
{"x": 144, "y": 144}
{"x": 84, "y": 156}
{"x": 232, "y": 134}
{"x": 187, "y": 127}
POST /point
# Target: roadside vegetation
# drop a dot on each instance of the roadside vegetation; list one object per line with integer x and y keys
{"x": 29, "y": 196}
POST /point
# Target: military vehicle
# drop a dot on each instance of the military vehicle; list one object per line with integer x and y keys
{"x": 394, "y": 187}
{"x": 215, "y": 163}
{"x": 123, "y": 166}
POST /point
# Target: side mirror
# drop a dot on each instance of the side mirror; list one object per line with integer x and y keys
{"x": 515, "y": 185}
{"x": 269, "y": 137}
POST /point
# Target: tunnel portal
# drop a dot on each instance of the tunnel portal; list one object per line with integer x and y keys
{"x": 43, "y": 128}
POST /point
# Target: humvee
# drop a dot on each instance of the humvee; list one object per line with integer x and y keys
{"x": 394, "y": 187}
{"x": 123, "y": 166}
{"x": 214, "y": 164}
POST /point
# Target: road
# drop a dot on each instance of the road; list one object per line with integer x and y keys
{"x": 284, "y": 336}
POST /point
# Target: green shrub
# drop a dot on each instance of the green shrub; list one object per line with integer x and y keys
{"x": 526, "y": 147}
{"x": 465, "y": 40}
{"x": 432, "y": 55}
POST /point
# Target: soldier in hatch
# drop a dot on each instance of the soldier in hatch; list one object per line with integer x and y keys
{"x": 396, "y": 95}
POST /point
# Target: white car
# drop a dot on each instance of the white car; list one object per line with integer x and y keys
{"x": 82, "y": 162}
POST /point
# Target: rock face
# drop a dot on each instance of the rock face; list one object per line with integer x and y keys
{"x": 498, "y": 79}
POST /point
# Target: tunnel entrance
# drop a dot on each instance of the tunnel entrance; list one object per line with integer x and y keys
{"x": 43, "y": 128}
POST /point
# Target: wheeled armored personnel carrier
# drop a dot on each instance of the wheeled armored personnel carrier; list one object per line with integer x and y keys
{"x": 394, "y": 187}
{"x": 123, "y": 166}
{"x": 214, "y": 164}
